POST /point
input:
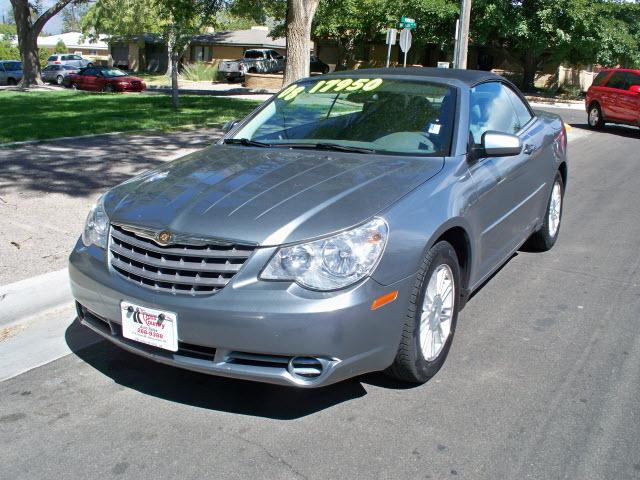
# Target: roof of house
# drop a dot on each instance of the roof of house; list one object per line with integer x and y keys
{"x": 73, "y": 40}
{"x": 254, "y": 37}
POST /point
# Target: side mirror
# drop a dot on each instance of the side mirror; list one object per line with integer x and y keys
{"x": 227, "y": 127}
{"x": 497, "y": 144}
{"x": 634, "y": 88}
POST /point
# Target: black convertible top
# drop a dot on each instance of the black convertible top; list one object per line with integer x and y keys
{"x": 446, "y": 75}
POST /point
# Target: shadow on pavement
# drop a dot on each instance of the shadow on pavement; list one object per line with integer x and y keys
{"x": 619, "y": 130}
{"x": 205, "y": 391}
{"x": 87, "y": 166}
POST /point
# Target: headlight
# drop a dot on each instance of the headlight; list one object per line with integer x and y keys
{"x": 96, "y": 227}
{"x": 333, "y": 262}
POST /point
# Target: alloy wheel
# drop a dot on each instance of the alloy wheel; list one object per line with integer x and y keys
{"x": 555, "y": 207}
{"x": 437, "y": 312}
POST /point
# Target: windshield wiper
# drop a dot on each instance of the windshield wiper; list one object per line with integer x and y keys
{"x": 246, "y": 142}
{"x": 328, "y": 146}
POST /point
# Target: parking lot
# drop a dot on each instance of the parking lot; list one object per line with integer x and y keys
{"x": 543, "y": 378}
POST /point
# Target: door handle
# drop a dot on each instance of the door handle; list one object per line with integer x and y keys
{"x": 529, "y": 149}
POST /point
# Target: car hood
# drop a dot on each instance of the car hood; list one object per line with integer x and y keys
{"x": 266, "y": 196}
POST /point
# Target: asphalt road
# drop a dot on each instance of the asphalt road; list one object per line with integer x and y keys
{"x": 542, "y": 381}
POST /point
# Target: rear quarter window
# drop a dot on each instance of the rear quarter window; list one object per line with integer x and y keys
{"x": 599, "y": 79}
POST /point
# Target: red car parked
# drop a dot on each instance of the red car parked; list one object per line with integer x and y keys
{"x": 614, "y": 97}
{"x": 104, "y": 79}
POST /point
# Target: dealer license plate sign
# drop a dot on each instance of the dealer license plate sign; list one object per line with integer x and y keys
{"x": 146, "y": 325}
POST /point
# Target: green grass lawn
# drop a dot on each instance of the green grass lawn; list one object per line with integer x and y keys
{"x": 43, "y": 115}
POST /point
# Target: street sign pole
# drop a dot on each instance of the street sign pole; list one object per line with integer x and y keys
{"x": 391, "y": 40}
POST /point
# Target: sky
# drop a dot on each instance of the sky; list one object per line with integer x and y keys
{"x": 53, "y": 26}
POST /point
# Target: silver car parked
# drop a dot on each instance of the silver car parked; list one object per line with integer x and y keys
{"x": 337, "y": 230}
{"x": 69, "y": 59}
{"x": 10, "y": 72}
{"x": 57, "y": 73}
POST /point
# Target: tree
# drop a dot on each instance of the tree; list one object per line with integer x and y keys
{"x": 61, "y": 47}
{"x": 30, "y": 20}
{"x": 299, "y": 19}
{"x": 72, "y": 17}
{"x": 174, "y": 21}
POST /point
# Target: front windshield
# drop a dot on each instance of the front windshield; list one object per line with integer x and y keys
{"x": 388, "y": 116}
{"x": 113, "y": 72}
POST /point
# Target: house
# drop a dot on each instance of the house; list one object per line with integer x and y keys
{"x": 75, "y": 42}
{"x": 148, "y": 52}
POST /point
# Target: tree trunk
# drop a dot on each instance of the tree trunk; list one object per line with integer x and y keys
{"x": 530, "y": 66}
{"x": 28, "y": 42}
{"x": 172, "y": 66}
{"x": 299, "y": 18}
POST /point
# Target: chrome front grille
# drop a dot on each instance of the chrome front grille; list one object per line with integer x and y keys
{"x": 177, "y": 268}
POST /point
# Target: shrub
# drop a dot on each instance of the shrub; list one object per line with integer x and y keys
{"x": 8, "y": 51}
{"x": 200, "y": 71}
{"x": 61, "y": 47}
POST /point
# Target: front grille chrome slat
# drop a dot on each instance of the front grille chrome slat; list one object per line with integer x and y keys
{"x": 176, "y": 269}
{"x": 240, "y": 252}
{"x": 185, "y": 264}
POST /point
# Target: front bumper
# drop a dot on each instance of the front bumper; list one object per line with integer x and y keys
{"x": 251, "y": 329}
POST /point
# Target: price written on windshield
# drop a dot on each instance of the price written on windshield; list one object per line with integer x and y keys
{"x": 335, "y": 85}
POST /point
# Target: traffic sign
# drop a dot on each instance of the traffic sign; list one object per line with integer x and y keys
{"x": 405, "y": 40}
{"x": 391, "y": 36}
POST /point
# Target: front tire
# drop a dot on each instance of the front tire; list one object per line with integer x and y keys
{"x": 108, "y": 89}
{"x": 545, "y": 238}
{"x": 431, "y": 319}
{"x": 594, "y": 117}
{"x": 59, "y": 79}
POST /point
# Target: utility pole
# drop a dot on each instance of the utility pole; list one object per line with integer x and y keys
{"x": 462, "y": 40}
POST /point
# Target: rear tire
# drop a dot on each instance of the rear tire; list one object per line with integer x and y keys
{"x": 12, "y": 81}
{"x": 545, "y": 238}
{"x": 89, "y": 65}
{"x": 108, "y": 89}
{"x": 594, "y": 117}
{"x": 74, "y": 86}
{"x": 419, "y": 355}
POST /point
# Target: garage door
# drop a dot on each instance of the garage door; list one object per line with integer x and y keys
{"x": 120, "y": 55}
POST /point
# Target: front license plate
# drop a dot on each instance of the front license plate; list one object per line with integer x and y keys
{"x": 146, "y": 325}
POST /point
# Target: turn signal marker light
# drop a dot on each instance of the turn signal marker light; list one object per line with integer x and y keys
{"x": 384, "y": 299}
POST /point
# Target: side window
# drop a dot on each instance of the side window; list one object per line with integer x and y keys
{"x": 1, "y": 67}
{"x": 491, "y": 109}
{"x": 90, "y": 72}
{"x": 617, "y": 80}
{"x": 522, "y": 112}
{"x": 632, "y": 79}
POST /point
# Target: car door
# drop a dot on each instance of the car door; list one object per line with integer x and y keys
{"x": 509, "y": 189}
{"x": 628, "y": 101}
{"x": 614, "y": 88}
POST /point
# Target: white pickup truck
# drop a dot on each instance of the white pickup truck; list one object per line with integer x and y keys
{"x": 254, "y": 61}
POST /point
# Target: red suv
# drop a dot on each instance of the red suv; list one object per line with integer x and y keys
{"x": 614, "y": 97}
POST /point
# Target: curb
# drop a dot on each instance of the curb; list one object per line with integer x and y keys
{"x": 33, "y": 295}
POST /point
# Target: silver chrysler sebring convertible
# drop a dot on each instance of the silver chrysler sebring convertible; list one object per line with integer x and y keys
{"x": 337, "y": 230}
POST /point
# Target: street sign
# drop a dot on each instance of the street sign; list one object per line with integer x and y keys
{"x": 405, "y": 40}
{"x": 405, "y": 43}
{"x": 407, "y": 22}
{"x": 391, "y": 36}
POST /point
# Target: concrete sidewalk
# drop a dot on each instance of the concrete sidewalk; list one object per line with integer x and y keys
{"x": 46, "y": 190}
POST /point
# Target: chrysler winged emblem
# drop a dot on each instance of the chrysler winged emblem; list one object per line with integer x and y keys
{"x": 164, "y": 237}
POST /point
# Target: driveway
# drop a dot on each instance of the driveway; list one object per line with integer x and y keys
{"x": 46, "y": 190}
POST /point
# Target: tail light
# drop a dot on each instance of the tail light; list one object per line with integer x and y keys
{"x": 58, "y": 62}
